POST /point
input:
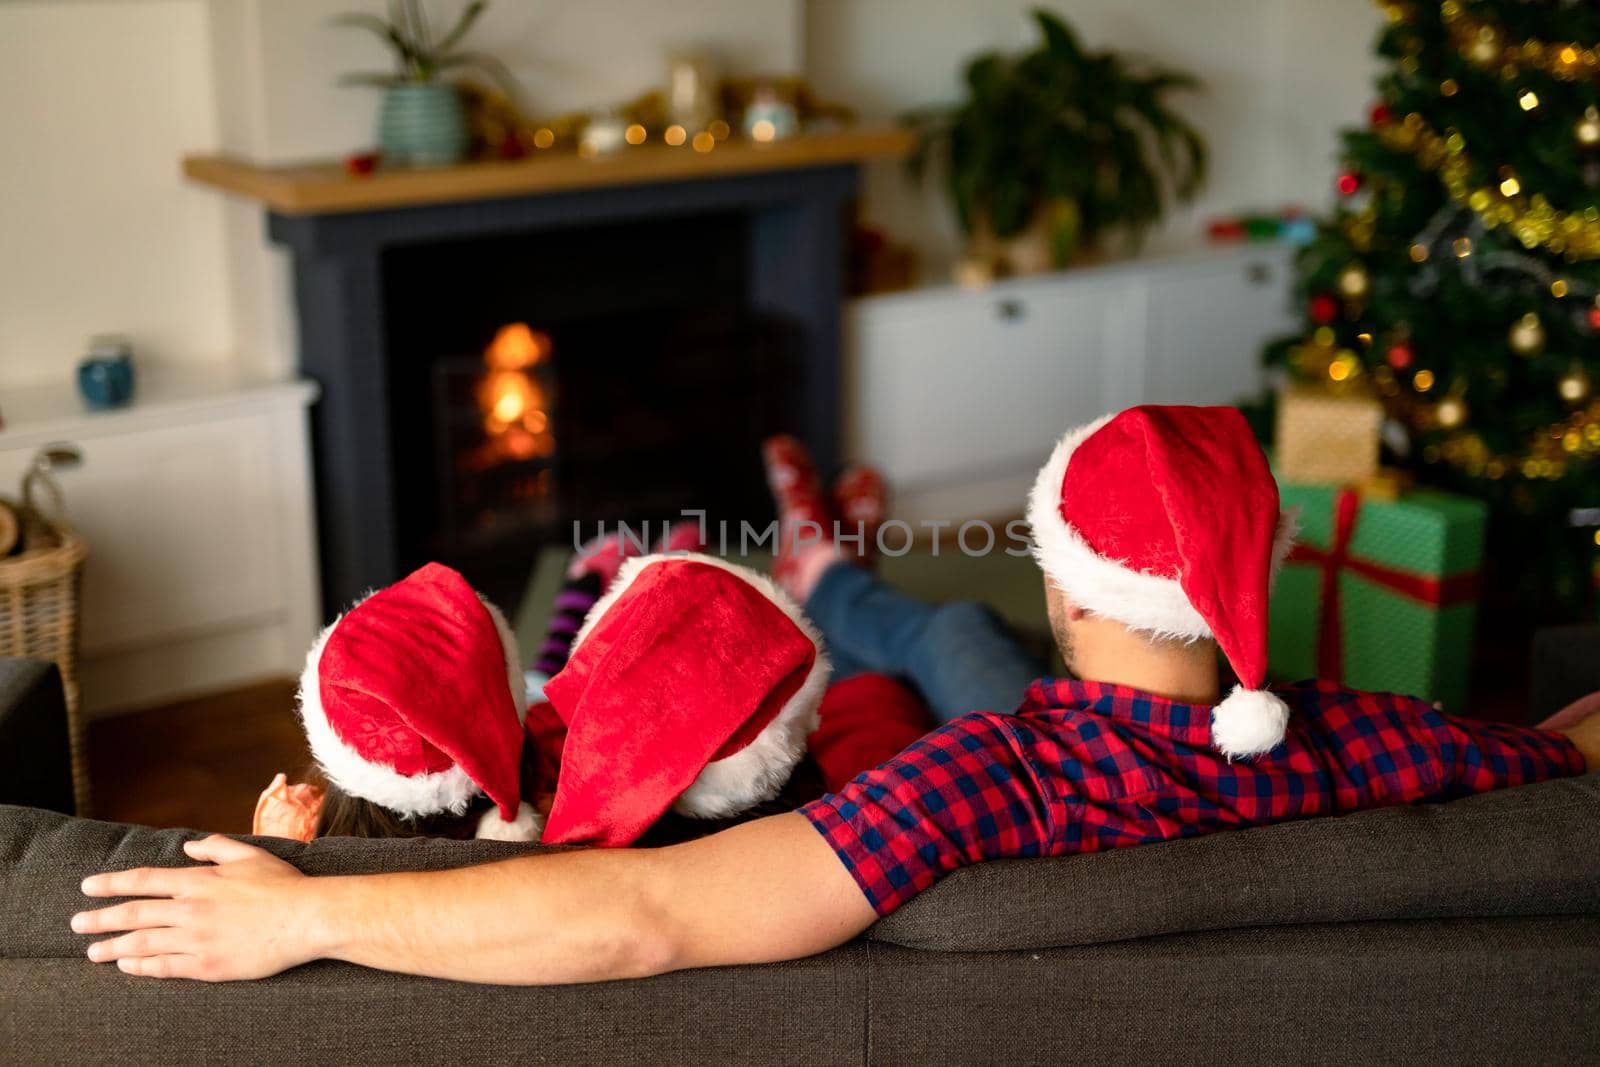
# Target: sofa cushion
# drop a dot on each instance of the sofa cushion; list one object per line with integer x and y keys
{"x": 1528, "y": 851}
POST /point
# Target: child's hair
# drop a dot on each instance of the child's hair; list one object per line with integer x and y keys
{"x": 343, "y": 815}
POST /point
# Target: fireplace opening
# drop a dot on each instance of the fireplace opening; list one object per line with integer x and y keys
{"x": 610, "y": 374}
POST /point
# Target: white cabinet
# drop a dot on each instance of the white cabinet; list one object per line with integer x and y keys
{"x": 959, "y": 394}
{"x": 954, "y": 388}
{"x": 1206, "y": 323}
{"x": 195, "y": 503}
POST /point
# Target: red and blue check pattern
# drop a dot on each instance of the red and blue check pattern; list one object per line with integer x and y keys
{"x": 1083, "y": 767}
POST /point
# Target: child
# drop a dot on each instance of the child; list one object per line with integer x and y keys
{"x": 693, "y": 684}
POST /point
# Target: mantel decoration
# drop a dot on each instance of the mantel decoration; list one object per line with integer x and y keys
{"x": 422, "y": 121}
{"x": 1056, "y": 149}
{"x": 694, "y": 111}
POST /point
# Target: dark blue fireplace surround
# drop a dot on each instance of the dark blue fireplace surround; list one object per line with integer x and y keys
{"x": 795, "y": 267}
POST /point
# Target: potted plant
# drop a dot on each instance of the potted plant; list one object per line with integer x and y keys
{"x": 1058, "y": 148}
{"x": 422, "y": 120}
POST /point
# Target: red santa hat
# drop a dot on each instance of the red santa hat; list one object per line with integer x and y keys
{"x": 1166, "y": 520}
{"x": 414, "y": 699}
{"x": 693, "y": 685}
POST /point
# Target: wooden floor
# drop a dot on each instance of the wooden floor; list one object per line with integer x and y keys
{"x": 200, "y": 763}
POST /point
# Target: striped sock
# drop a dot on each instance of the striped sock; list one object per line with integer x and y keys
{"x": 572, "y": 604}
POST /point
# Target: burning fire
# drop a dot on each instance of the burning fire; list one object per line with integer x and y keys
{"x": 515, "y": 419}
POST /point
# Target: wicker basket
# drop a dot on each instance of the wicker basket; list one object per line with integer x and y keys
{"x": 39, "y": 597}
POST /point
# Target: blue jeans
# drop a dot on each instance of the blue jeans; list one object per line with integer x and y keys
{"x": 957, "y": 655}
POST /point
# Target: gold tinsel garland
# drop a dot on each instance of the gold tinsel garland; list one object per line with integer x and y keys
{"x": 1530, "y": 218}
{"x": 1484, "y": 44}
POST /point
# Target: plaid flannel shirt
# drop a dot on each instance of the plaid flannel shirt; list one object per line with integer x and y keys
{"x": 1083, "y": 767}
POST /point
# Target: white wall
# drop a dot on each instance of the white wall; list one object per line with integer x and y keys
{"x": 1281, "y": 77}
{"x": 98, "y": 231}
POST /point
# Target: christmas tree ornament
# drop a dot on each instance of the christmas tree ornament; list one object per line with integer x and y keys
{"x": 1400, "y": 355}
{"x": 1422, "y": 381}
{"x": 1380, "y": 114}
{"x": 1451, "y": 412}
{"x": 1324, "y": 308}
{"x": 1354, "y": 281}
{"x": 1348, "y": 182}
{"x": 1526, "y": 335}
{"x": 1574, "y": 386}
{"x": 1344, "y": 366}
{"x": 1485, "y": 47}
{"x": 1587, "y": 130}
{"x": 1594, "y": 318}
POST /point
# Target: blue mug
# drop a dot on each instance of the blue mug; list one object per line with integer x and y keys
{"x": 106, "y": 381}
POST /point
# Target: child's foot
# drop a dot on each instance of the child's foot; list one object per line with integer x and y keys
{"x": 861, "y": 499}
{"x": 804, "y": 521}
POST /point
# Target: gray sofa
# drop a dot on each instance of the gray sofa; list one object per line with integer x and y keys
{"x": 1461, "y": 932}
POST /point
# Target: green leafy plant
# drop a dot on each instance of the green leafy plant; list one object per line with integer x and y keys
{"x": 1063, "y": 132}
{"x": 420, "y": 57}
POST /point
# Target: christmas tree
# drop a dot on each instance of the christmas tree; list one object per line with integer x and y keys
{"x": 1459, "y": 275}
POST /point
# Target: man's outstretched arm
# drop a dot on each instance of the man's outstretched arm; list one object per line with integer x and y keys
{"x": 767, "y": 890}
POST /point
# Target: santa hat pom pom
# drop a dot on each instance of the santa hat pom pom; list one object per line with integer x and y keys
{"x": 1248, "y": 722}
{"x": 527, "y": 826}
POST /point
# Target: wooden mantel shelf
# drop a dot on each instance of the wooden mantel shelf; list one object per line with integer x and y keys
{"x": 326, "y": 188}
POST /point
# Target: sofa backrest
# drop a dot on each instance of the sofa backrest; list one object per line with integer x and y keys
{"x": 1519, "y": 852}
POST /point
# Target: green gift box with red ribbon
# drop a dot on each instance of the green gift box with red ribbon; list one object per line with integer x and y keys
{"x": 1379, "y": 594}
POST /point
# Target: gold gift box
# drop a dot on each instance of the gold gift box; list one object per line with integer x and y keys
{"x": 1328, "y": 437}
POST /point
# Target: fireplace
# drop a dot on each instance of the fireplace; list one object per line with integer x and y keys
{"x": 592, "y": 375}
{"x": 495, "y": 370}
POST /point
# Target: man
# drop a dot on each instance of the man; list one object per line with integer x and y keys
{"x": 1157, "y": 530}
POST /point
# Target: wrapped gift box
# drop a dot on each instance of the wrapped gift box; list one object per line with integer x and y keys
{"x": 1380, "y": 594}
{"x": 1324, "y": 436}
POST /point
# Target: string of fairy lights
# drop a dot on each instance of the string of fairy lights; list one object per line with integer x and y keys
{"x": 1413, "y": 393}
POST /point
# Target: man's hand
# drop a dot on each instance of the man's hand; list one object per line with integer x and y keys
{"x": 238, "y": 919}
{"x": 767, "y": 890}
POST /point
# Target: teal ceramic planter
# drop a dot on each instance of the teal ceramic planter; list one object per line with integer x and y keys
{"x": 422, "y": 124}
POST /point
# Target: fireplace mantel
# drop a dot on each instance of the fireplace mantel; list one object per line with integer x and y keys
{"x": 326, "y": 188}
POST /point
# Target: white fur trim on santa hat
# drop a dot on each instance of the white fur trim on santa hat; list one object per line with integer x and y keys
{"x": 1148, "y": 603}
{"x": 513, "y": 655}
{"x": 404, "y": 794}
{"x": 1248, "y": 722}
{"x": 527, "y": 826}
{"x": 758, "y": 771}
